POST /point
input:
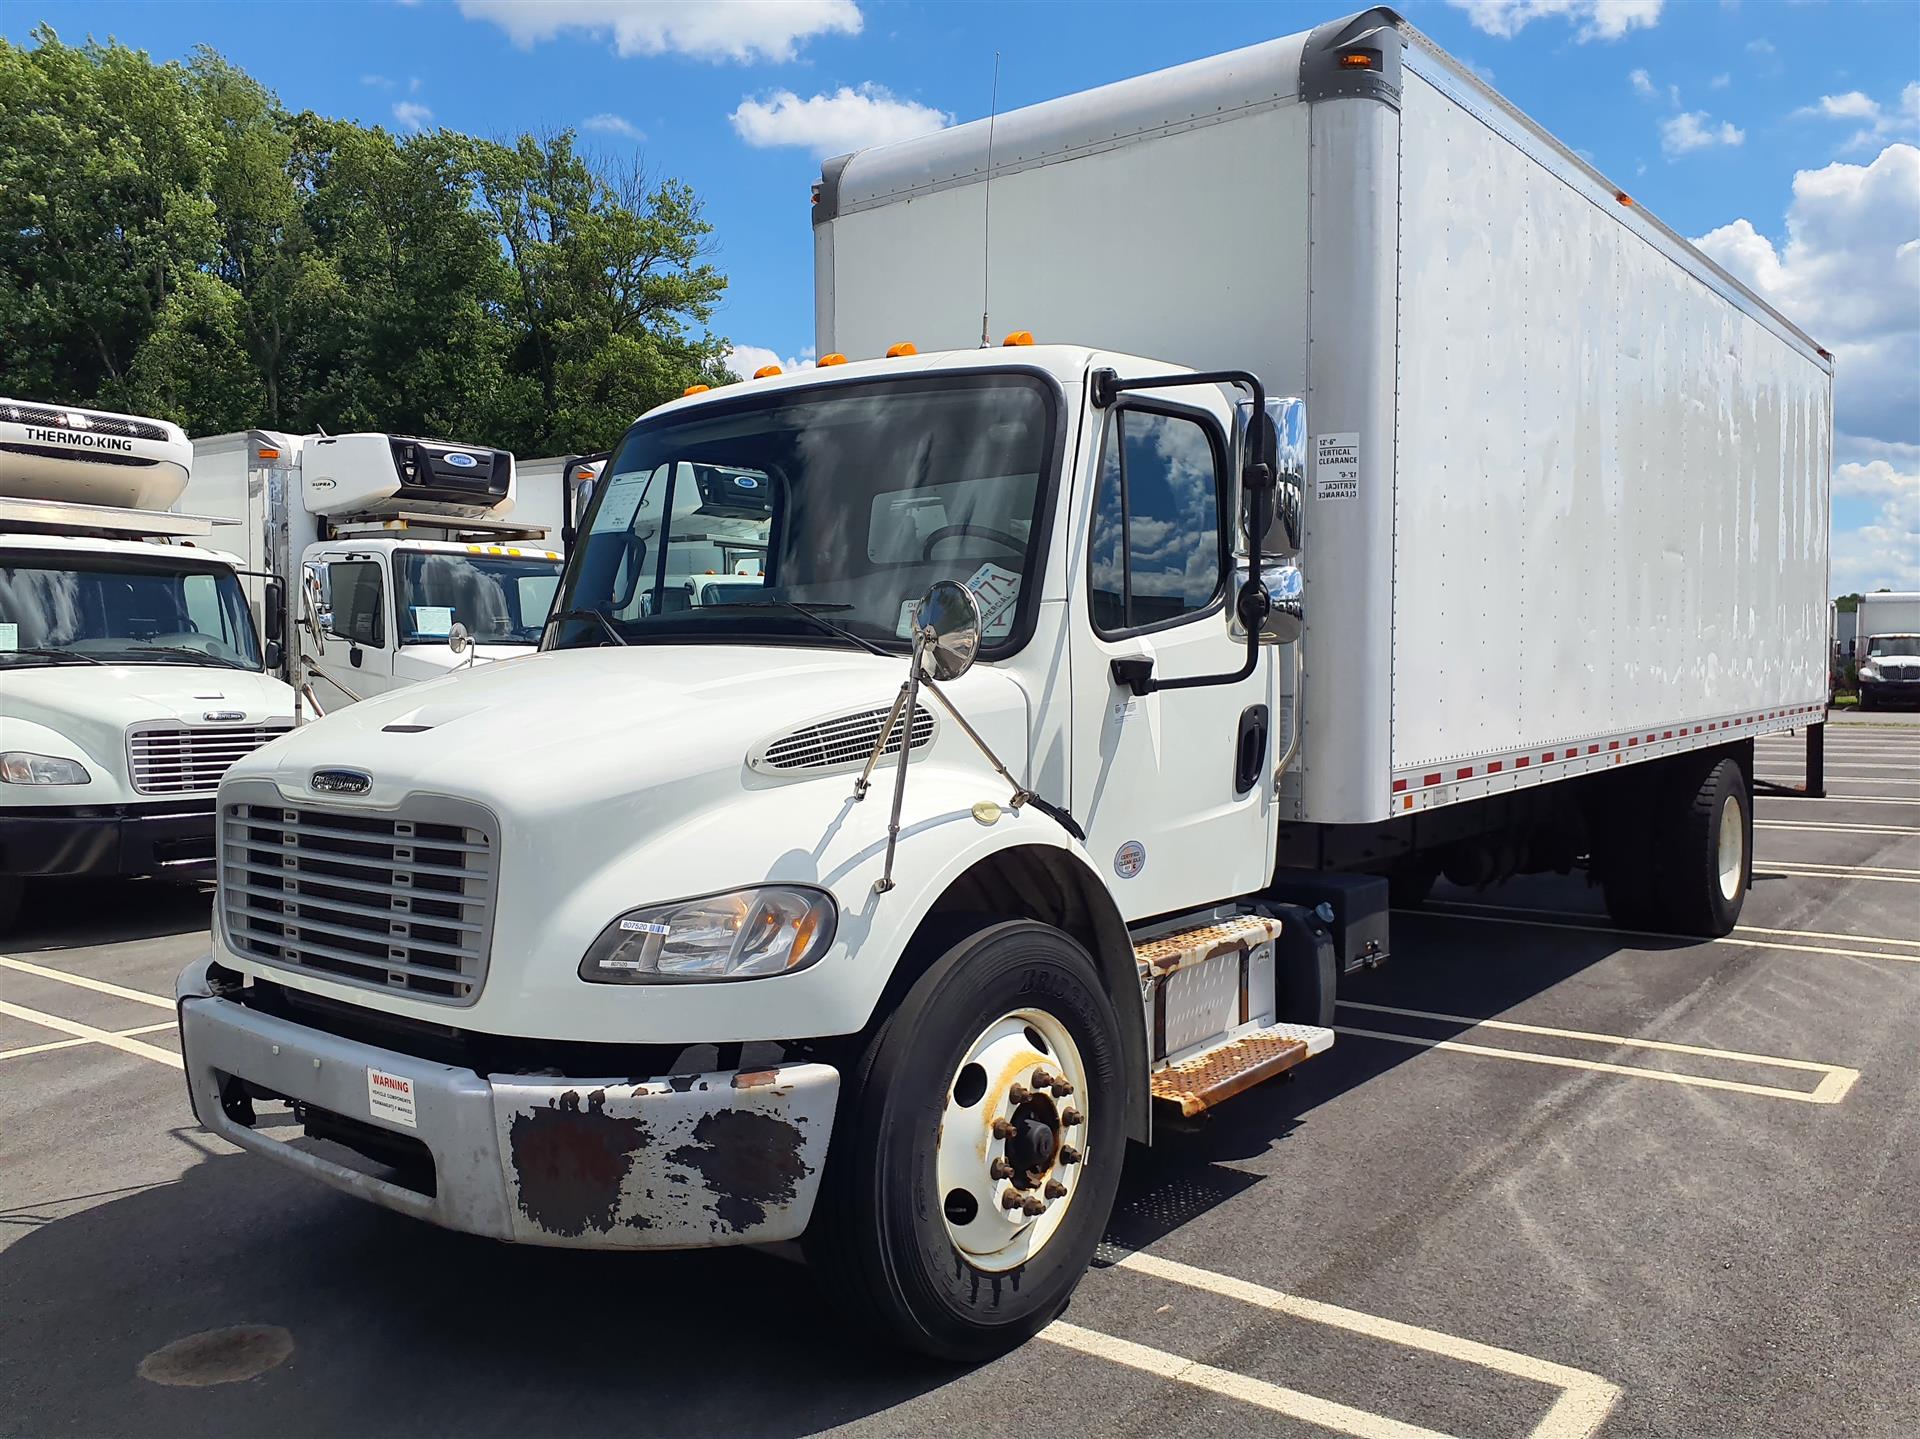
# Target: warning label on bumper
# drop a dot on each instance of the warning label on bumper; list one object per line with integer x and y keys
{"x": 390, "y": 1097}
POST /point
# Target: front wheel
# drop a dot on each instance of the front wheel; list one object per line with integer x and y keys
{"x": 978, "y": 1147}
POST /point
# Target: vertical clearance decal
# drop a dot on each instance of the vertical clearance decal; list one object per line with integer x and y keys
{"x": 1336, "y": 466}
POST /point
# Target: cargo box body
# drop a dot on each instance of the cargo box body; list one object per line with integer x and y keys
{"x": 1568, "y": 480}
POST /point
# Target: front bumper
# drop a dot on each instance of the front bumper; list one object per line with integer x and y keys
{"x": 170, "y": 838}
{"x": 676, "y": 1162}
{"x": 1890, "y": 692}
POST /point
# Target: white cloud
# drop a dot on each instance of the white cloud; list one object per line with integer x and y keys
{"x": 379, "y": 82}
{"x": 1851, "y": 106}
{"x": 412, "y": 114}
{"x": 833, "y": 124}
{"x": 1720, "y": 82}
{"x": 1597, "y": 19}
{"x": 1695, "y": 130}
{"x": 743, "y": 360}
{"x": 413, "y": 84}
{"x": 739, "y": 30}
{"x": 1642, "y": 83}
{"x": 1849, "y": 273}
{"x": 609, "y": 124}
{"x": 1898, "y": 121}
{"x": 1762, "y": 46}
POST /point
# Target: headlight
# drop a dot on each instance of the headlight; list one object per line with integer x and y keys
{"x": 18, "y": 766}
{"x": 1869, "y": 671}
{"x": 743, "y": 934}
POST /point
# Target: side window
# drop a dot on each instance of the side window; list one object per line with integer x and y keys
{"x": 356, "y": 601}
{"x": 1156, "y": 552}
{"x": 202, "y": 596}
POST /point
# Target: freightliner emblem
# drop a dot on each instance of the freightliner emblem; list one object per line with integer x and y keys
{"x": 340, "y": 781}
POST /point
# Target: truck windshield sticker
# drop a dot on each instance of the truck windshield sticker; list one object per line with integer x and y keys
{"x": 9, "y": 637}
{"x": 432, "y": 621}
{"x": 998, "y": 591}
{"x": 1336, "y": 466}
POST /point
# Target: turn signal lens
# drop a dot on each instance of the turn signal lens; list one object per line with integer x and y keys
{"x": 901, "y": 350}
{"x": 694, "y": 390}
{"x": 1359, "y": 60}
{"x": 1019, "y": 337}
{"x": 835, "y": 358}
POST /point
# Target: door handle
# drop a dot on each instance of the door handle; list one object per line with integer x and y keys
{"x": 1250, "y": 749}
{"x": 1134, "y": 672}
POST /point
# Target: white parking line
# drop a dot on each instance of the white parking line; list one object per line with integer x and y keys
{"x": 83, "y": 981}
{"x": 1835, "y": 1079}
{"x": 1843, "y": 779}
{"x": 1436, "y": 911}
{"x": 1837, "y": 828}
{"x": 27, "y": 1049}
{"x": 1834, "y": 799}
{"x": 1802, "y": 872}
{"x": 88, "y": 1031}
{"x": 1848, "y": 868}
{"x": 1585, "y": 1401}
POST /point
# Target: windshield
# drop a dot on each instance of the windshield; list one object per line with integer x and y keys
{"x": 848, "y": 502}
{"x": 501, "y": 599}
{"x": 119, "y": 609}
{"x": 1882, "y": 646}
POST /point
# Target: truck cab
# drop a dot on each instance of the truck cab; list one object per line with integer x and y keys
{"x": 131, "y": 673}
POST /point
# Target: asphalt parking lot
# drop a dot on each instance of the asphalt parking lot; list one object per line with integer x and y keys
{"x": 1554, "y": 1180}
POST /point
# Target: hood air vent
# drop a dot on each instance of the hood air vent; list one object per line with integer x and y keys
{"x": 840, "y": 743}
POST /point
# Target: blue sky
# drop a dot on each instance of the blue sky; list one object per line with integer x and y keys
{"x": 1779, "y": 133}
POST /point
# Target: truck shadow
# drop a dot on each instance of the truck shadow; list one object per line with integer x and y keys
{"x": 70, "y": 913}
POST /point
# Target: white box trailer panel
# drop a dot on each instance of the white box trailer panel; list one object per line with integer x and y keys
{"x": 1887, "y": 613}
{"x": 1573, "y": 479}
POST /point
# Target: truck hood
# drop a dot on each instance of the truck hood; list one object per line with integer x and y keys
{"x": 554, "y": 732}
{"x": 94, "y": 704}
{"x": 413, "y": 663}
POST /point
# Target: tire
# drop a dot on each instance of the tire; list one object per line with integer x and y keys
{"x": 883, "y": 1237}
{"x": 1708, "y": 865}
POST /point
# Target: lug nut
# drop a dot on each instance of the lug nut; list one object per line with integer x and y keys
{"x": 1071, "y": 1116}
{"x": 1044, "y": 1079}
{"x": 1069, "y": 1155}
{"x": 1063, "y": 1086}
{"x": 1033, "y": 1204}
{"x": 1019, "y": 1094}
{"x": 1055, "y": 1189}
{"x": 1000, "y": 1169}
{"x": 1003, "y": 1129}
{"x": 1010, "y": 1199}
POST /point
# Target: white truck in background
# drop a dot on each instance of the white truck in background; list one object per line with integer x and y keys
{"x": 131, "y": 674}
{"x": 403, "y": 558}
{"x": 1053, "y": 766}
{"x": 1887, "y": 636}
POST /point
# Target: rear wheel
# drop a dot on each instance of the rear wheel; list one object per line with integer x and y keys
{"x": 1678, "y": 853}
{"x": 977, "y": 1148}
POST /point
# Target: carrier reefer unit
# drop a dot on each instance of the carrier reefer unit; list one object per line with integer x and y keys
{"x": 131, "y": 674}
{"x": 908, "y": 800}
{"x": 384, "y": 543}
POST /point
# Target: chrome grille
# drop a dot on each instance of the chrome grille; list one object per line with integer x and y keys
{"x": 844, "y": 741}
{"x": 174, "y": 758}
{"x": 396, "y": 903}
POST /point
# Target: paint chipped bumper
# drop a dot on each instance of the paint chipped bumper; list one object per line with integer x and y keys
{"x": 677, "y": 1162}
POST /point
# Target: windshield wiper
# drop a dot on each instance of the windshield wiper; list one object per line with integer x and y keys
{"x": 806, "y": 612}
{"x": 53, "y": 653}
{"x": 200, "y": 655}
{"x": 600, "y": 615}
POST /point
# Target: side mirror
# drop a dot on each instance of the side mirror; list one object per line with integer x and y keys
{"x": 948, "y": 625}
{"x": 274, "y": 656}
{"x": 310, "y": 610}
{"x": 275, "y": 601}
{"x": 458, "y": 638}
{"x": 1278, "y": 439}
{"x": 1286, "y": 616}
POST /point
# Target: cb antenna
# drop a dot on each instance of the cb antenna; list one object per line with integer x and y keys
{"x": 986, "y": 226}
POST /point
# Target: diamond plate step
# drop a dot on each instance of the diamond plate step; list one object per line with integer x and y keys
{"x": 1203, "y": 1080}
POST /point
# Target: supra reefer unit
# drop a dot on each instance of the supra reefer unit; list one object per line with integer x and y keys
{"x": 1567, "y": 500}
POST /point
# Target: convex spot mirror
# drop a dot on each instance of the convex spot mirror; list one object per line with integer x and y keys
{"x": 1285, "y": 616}
{"x": 1280, "y": 440}
{"x": 458, "y": 639}
{"x": 312, "y": 603}
{"x": 948, "y": 626}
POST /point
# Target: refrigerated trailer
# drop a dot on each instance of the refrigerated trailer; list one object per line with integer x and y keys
{"x": 1077, "y": 703}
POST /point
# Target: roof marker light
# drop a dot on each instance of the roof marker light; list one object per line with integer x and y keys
{"x": 766, "y": 372}
{"x": 695, "y": 390}
{"x": 1623, "y": 197}
{"x": 836, "y": 358}
{"x": 1019, "y": 337}
{"x": 1357, "y": 60}
{"x": 901, "y": 350}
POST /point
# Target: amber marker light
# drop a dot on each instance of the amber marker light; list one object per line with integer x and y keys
{"x": 690, "y": 390}
{"x": 834, "y": 359}
{"x": 1019, "y": 337}
{"x": 901, "y": 350}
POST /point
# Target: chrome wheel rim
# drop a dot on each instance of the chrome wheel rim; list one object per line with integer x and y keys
{"x": 1732, "y": 848}
{"x": 1013, "y": 1140}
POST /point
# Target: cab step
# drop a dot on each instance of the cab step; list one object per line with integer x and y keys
{"x": 1237, "y": 1063}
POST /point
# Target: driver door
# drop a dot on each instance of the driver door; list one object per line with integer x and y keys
{"x": 1161, "y": 781}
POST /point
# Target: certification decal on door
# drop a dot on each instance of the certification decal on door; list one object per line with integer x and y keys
{"x": 1336, "y": 466}
{"x": 390, "y": 1097}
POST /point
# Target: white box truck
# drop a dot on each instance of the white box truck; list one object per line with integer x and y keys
{"x": 882, "y": 901}
{"x": 387, "y": 548}
{"x": 131, "y": 674}
{"x": 1887, "y": 626}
